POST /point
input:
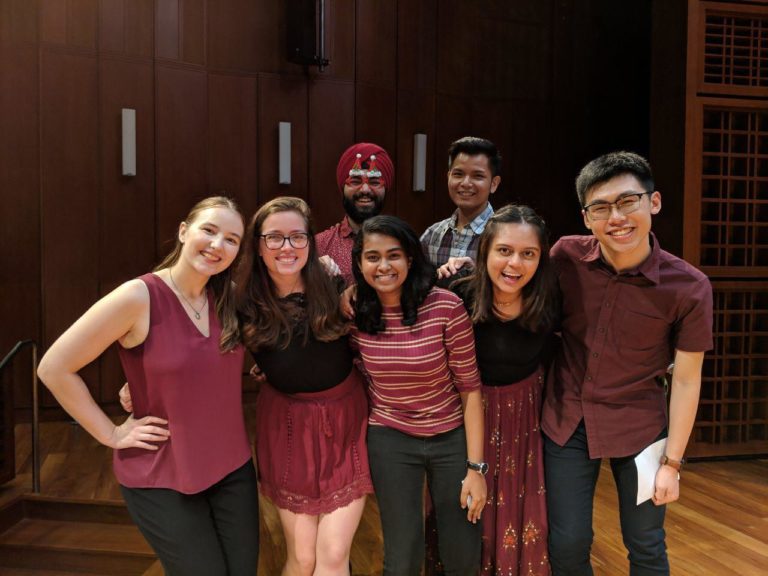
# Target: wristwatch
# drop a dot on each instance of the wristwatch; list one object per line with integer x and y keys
{"x": 481, "y": 467}
{"x": 676, "y": 464}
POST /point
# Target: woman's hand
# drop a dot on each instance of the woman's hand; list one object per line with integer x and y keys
{"x": 454, "y": 264}
{"x": 125, "y": 398}
{"x": 330, "y": 265}
{"x": 139, "y": 433}
{"x": 347, "y": 301}
{"x": 474, "y": 493}
{"x": 257, "y": 374}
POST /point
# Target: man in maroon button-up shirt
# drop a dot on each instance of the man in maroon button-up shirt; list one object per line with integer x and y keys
{"x": 629, "y": 310}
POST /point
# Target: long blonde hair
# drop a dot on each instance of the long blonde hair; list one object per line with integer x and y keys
{"x": 220, "y": 283}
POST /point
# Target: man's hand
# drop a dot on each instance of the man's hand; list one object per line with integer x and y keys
{"x": 454, "y": 264}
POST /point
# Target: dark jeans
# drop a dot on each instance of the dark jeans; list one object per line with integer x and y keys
{"x": 571, "y": 478}
{"x": 399, "y": 463}
{"x": 212, "y": 533}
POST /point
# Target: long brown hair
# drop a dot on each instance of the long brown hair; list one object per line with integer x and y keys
{"x": 539, "y": 295}
{"x": 264, "y": 320}
{"x": 220, "y": 283}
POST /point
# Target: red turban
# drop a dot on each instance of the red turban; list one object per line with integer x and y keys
{"x": 365, "y": 149}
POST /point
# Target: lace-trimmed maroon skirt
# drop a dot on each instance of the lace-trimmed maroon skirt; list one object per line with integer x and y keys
{"x": 311, "y": 447}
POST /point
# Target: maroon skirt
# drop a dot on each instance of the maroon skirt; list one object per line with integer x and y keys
{"x": 515, "y": 517}
{"x": 310, "y": 447}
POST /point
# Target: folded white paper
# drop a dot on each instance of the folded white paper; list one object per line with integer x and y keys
{"x": 648, "y": 463}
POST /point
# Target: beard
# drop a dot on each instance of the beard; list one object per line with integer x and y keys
{"x": 359, "y": 215}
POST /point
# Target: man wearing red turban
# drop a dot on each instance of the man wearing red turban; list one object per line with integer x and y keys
{"x": 363, "y": 174}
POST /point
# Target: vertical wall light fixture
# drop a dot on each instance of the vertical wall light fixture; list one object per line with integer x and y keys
{"x": 284, "y": 153}
{"x": 419, "y": 162}
{"x": 129, "y": 141}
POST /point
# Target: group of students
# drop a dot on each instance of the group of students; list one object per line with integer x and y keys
{"x": 451, "y": 389}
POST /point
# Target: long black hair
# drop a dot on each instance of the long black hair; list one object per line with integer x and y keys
{"x": 420, "y": 280}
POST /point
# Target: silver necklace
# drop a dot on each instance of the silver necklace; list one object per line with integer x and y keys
{"x": 197, "y": 312}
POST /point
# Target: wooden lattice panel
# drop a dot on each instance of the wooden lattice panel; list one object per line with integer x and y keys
{"x": 736, "y": 50}
{"x": 734, "y": 194}
{"x": 733, "y": 410}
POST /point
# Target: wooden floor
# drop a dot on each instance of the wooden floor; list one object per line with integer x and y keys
{"x": 719, "y": 527}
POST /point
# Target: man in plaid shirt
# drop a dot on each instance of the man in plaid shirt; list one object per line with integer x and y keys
{"x": 473, "y": 175}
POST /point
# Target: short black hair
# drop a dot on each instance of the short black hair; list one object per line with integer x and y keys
{"x": 472, "y": 146}
{"x": 420, "y": 280}
{"x": 609, "y": 166}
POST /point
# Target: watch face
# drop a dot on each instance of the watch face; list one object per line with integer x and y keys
{"x": 483, "y": 468}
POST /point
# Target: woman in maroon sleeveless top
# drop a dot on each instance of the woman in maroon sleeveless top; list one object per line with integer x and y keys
{"x": 311, "y": 418}
{"x": 182, "y": 458}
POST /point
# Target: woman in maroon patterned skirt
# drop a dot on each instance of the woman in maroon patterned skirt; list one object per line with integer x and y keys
{"x": 511, "y": 300}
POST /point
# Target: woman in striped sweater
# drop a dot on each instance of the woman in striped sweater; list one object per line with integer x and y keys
{"x": 426, "y": 420}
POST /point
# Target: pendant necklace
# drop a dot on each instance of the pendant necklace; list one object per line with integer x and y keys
{"x": 197, "y": 312}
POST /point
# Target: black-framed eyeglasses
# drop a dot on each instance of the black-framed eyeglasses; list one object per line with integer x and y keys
{"x": 626, "y": 204}
{"x": 276, "y": 241}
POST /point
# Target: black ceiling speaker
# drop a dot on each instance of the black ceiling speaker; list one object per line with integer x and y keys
{"x": 305, "y": 32}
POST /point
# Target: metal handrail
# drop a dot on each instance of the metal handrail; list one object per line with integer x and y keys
{"x": 35, "y": 408}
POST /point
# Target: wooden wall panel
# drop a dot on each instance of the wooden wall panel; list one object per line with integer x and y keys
{"x": 111, "y": 25}
{"x": 167, "y": 29}
{"x": 82, "y": 19}
{"x": 232, "y": 42}
{"x": 18, "y": 21}
{"x": 181, "y": 113}
{"x": 417, "y": 45}
{"x": 127, "y": 203}
{"x": 20, "y": 304}
{"x": 376, "y": 117}
{"x": 282, "y": 99}
{"x": 232, "y": 139}
{"x": 127, "y": 27}
{"x": 453, "y": 120}
{"x": 376, "y": 43}
{"x": 270, "y": 39}
{"x": 53, "y": 21}
{"x": 69, "y": 196}
{"x": 331, "y": 131}
{"x": 193, "y": 31}
{"x": 416, "y": 115}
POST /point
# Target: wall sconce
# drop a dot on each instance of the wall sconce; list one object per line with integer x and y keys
{"x": 284, "y": 153}
{"x": 129, "y": 141}
{"x": 419, "y": 162}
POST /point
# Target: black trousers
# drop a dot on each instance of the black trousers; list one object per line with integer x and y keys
{"x": 399, "y": 465}
{"x": 212, "y": 533}
{"x": 571, "y": 479}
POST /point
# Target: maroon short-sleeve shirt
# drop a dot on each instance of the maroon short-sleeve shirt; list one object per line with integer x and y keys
{"x": 337, "y": 242}
{"x": 619, "y": 332}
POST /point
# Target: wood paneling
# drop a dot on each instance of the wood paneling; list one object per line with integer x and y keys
{"x": 232, "y": 42}
{"x": 18, "y": 21}
{"x": 20, "y": 217}
{"x": 232, "y": 139}
{"x": 416, "y": 116}
{"x": 68, "y": 191}
{"x": 193, "y": 31}
{"x": 126, "y": 26}
{"x": 82, "y": 19}
{"x": 167, "y": 24}
{"x": 53, "y": 21}
{"x": 282, "y": 99}
{"x": 417, "y": 45}
{"x": 376, "y": 43}
{"x": 376, "y": 117}
{"x": 181, "y": 113}
{"x": 331, "y": 131}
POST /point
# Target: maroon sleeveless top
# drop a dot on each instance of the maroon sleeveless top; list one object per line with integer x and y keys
{"x": 182, "y": 376}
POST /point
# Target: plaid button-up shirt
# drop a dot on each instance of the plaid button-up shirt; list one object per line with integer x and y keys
{"x": 444, "y": 240}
